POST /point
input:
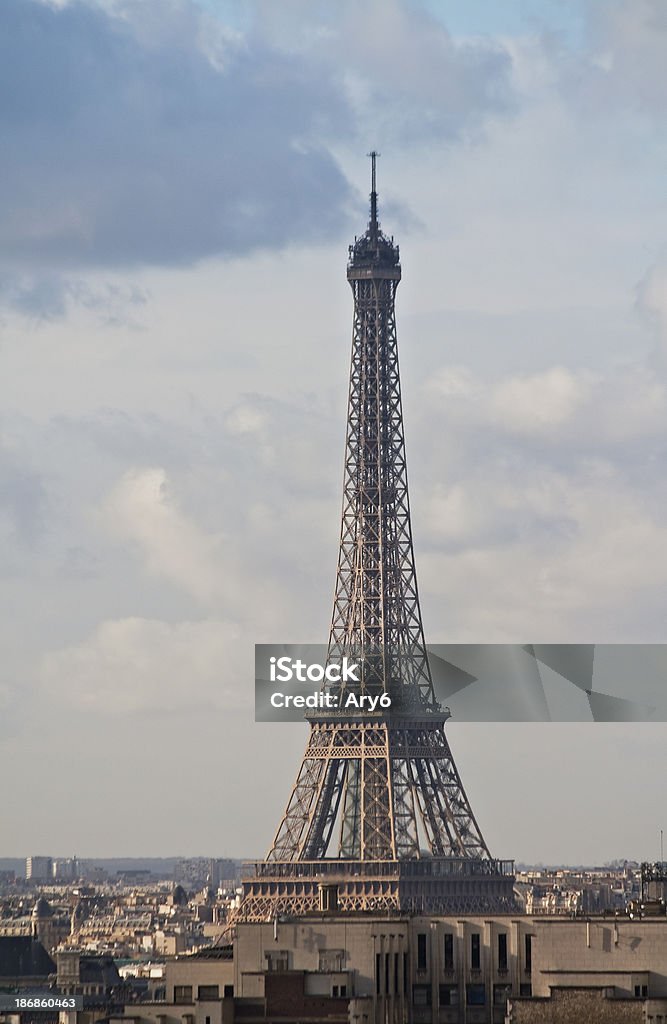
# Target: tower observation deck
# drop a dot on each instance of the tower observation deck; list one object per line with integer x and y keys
{"x": 378, "y": 818}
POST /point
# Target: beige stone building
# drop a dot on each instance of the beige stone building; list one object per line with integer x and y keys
{"x": 199, "y": 989}
{"x": 373, "y": 969}
{"x": 403, "y": 969}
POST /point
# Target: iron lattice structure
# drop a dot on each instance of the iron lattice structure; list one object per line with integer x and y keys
{"x": 378, "y": 813}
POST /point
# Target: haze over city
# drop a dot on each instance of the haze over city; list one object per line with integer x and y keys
{"x": 175, "y": 334}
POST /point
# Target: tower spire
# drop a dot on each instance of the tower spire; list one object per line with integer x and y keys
{"x": 374, "y": 226}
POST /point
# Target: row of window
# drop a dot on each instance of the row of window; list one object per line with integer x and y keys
{"x": 183, "y": 993}
{"x": 388, "y": 969}
{"x": 475, "y": 951}
{"x": 475, "y": 995}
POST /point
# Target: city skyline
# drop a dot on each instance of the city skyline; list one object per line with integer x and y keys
{"x": 175, "y": 362}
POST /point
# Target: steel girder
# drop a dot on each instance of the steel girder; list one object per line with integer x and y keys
{"x": 376, "y": 614}
{"x": 391, "y": 788}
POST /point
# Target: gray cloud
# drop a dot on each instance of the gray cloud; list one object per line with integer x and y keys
{"x": 122, "y": 149}
{"x": 622, "y": 70}
{"x": 144, "y": 134}
{"x": 405, "y": 76}
{"x": 39, "y": 297}
{"x": 23, "y": 501}
{"x": 45, "y": 296}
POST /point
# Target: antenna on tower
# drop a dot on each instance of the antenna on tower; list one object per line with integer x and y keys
{"x": 374, "y": 196}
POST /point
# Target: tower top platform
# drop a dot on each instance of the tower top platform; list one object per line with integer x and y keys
{"x": 373, "y": 254}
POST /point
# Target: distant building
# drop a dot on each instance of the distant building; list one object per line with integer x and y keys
{"x": 48, "y": 927}
{"x": 65, "y": 869}
{"x": 38, "y": 869}
{"x": 196, "y": 872}
{"x": 86, "y": 974}
{"x": 139, "y": 875}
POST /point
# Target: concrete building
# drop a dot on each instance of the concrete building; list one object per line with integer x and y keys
{"x": 66, "y": 869}
{"x": 414, "y": 969}
{"x": 377, "y": 969}
{"x": 627, "y": 958}
{"x": 38, "y": 869}
{"x": 198, "y": 990}
{"x": 196, "y": 872}
{"x": 450, "y": 970}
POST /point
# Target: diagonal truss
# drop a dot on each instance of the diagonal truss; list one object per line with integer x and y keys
{"x": 391, "y": 787}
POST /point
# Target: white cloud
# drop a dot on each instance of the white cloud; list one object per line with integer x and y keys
{"x": 406, "y": 78}
{"x": 630, "y": 39}
{"x": 140, "y": 665}
{"x": 569, "y": 410}
{"x": 538, "y": 402}
{"x": 454, "y": 382}
{"x": 141, "y": 509}
{"x": 586, "y": 562}
{"x": 246, "y": 419}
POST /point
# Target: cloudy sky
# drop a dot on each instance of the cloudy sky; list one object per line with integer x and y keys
{"x": 180, "y": 181}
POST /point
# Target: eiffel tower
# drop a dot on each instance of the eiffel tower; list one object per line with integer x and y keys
{"x": 378, "y": 818}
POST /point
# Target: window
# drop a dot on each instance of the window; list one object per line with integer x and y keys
{"x": 182, "y": 993}
{"x": 208, "y": 992}
{"x": 208, "y": 1020}
{"x": 278, "y": 961}
{"x": 343, "y": 991}
{"x": 529, "y": 954}
{"x": 334, "y": 991}
{"x": 331, "y": 960}
{"x": 502, "y": 951}
{"x": 421, "y": 951}
{"x": 526, "y": 990}
{"x": 449, "y": 951}
{"x": 228, "y": 991}
{"x": 378, "y": 969}
{"x": 449, "y": 995}
{"x": 421, "y": 995}
{"x": 501, "y": 994}
{"x": 475, "y": 995}
{"x": 475, "y": 951}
